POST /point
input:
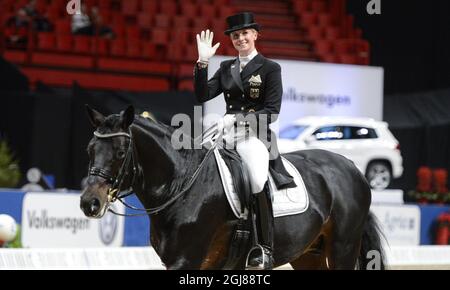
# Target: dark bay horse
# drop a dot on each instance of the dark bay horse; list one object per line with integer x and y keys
{"x": 191, "y": 220}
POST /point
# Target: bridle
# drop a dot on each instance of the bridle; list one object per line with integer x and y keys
{"x": 114, "y": 193}
{"x": 115, "y": 190}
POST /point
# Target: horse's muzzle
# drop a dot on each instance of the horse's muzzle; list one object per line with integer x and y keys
{"x": 90, "y": 206}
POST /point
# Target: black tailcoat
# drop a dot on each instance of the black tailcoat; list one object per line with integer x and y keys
{"x": 256, "y": 90}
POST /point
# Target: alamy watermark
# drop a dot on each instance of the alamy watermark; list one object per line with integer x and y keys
{"x": 73, "y": 7}
{"x": 374, "y": 258}
{"x": 245, "y": 126}
{"x": 374, "y": 7}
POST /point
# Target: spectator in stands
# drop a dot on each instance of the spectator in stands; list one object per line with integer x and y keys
{"x": 100, "y": 28}
{"x": 90, "y": 24}
{"x": 30, "y": 9}
{"x": 252, "y": 88}
{"x": 16, "y": 30}
{"x": 40, "y": 22}
{"x": 81, "y": 23}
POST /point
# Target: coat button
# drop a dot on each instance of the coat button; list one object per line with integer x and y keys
{"x": 228, "y": 95}
{"x": 242, "y": 108}
{"x": 243, "y": 95}
{"x": 231, "y": 106}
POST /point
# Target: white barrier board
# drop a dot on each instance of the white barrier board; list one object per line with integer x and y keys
{"x": 55, "y": 220}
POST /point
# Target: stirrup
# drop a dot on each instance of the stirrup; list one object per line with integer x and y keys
{"x": 265, "y": 263}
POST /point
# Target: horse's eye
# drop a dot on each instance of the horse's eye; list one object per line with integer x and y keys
{"x": 121, "y": 154}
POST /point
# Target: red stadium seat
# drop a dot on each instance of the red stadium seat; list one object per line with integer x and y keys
{"x": 199, "y": 24}
{"x": 324, "y": 47}
{"x": 308, "y": 19}
{"x": 119, "y": 30}
{"x": 118, "y": 47}
{"x": 185, "y": 85}
{"x": 64, "y": 43}
{"x": 332, "y": 32}
{"x": 218, "y": 25}
{"x": 345, "y": 46}
{"x": 129, "y": 7}
{"x": 316, "y": 33}
{"x": 168, "y": 7}
{"x": 191, "y": 53}
{"x": 100, "y": 46}
{"x": 225, "y": 11}
{"x": 63, "y": 27}
{"x": 117, "y": 18}
{"x": 133, "y": 32}
{"x": 53, "y": 13}
{"x": 46, "y": 41}
{"x": 106, "y": 16}
{"x": 181, "y": 21}
{"x": 104, "y": 4}
{"x": 82, "y": 44}
{"x": 145, "y": 20}
{"x": 148, "y": 50}
{"x": 325, "y": 19}
{"x": 134, "y": 48}
{"x": 185, "y": 71}
{"x": 162, "y": 21}
{"x": 175, "y": 52}
{"x": 150, "y": 7}
{"x": 159, "y": 36}
{"x": 318, "y": 6}
{"x": 189, "y": 10}
{"x": 348, "y": 59}
{"x": 208, "y": 11}
{"x": 183, "y": 35}
{"x": 301, "y": 6}
{"x": 330, "y": 58}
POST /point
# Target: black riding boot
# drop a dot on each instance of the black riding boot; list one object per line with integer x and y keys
{"x": 265, "y": 221}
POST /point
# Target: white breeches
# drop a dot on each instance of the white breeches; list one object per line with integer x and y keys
{"x": 255, "y": 157}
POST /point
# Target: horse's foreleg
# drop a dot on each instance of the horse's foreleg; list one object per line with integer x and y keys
{"x": 343, "y": 255}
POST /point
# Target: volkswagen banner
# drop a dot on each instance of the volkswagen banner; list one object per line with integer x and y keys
{"x": 55, "y": 220}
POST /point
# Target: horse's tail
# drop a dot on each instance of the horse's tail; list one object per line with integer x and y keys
{"x": 372, "y": 253}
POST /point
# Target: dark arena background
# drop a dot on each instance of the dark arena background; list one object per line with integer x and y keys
{"x": 143, "y": 52}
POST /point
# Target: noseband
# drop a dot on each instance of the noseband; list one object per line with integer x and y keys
{"x": 114, "y": 190}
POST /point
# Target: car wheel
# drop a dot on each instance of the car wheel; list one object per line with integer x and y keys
{"x": 378, "y": 175}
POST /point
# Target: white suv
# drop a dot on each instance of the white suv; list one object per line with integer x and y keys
{"x": 367, "y": 142}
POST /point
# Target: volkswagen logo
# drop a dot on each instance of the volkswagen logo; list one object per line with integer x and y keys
{"x": 108, "y": 227}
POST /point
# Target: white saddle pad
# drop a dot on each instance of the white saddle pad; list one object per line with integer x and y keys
{"x": 285, "y": 201}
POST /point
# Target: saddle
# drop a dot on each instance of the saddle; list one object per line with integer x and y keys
{"x": 236, "y": 184}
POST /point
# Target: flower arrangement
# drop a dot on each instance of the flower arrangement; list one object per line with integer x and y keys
{"x": 431, "y": 186}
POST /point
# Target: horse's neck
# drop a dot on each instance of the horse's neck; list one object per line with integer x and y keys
{"x": 164, "y": 170}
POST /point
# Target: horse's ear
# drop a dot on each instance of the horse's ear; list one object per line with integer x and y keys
{"x": 95, "y": 117}
{"x": 127, "y": 117}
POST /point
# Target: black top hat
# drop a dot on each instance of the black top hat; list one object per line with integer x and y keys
{"x": 241, "y": 21}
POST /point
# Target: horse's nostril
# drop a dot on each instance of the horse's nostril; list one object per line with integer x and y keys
{"x": 94, "y": 206}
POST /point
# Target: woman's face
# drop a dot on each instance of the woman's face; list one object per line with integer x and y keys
{"x": 244, "y": 40}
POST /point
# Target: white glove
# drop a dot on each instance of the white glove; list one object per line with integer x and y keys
{"x": 226, "y": 122}
{"x": 204, "y": 46}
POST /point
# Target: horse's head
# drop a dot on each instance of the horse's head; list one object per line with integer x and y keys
{"x": 110, "y": 154}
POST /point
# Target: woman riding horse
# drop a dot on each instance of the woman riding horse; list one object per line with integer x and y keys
{"x": 252, "y": 87}
{"x": 191, "y": 221}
